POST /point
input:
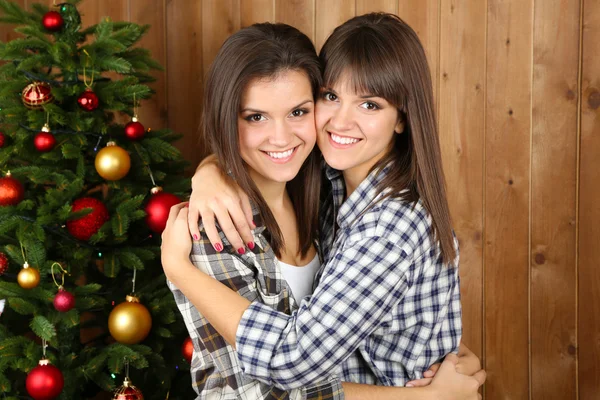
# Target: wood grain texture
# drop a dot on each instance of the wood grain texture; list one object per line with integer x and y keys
{"x": 153, "y": 112}
{"x": 298, "y": 13}
{"x": 461, "y": 121}
{"x": 329, "y": 15}
{"x": 253, "y": 11}
{"x": 424, "y": 17}
{"x": 367, "y": 6}
{"x": 507, "y": 168}
{"x": 589, "y": 211}
{"x": 184, "y": 76}
{"x": 553, "y": 195}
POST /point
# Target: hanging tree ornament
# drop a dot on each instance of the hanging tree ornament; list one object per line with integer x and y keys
{"x": 88, "y": 100}
{"x": 36, "y": 94}
{"x": 127, "y": 391}
{"x": 28, "y": 277}
{"x": 158, "y": 207}
{"x": 11, "y": 191}
{"x": 53, "y": 21}
{"x": 84, "y": 227}
{"x": 112, "y": 162}
{"x": 130, "y": 322}
{"x": 44, "y": 382}
{"x": 187, "y": 349}
{"x": 2, "y": 139}
{"x": 44, "y": 141}
{"x": 63, "y": 301}
{"x": 3, "y": 263}
{"x": 134, "y": 130}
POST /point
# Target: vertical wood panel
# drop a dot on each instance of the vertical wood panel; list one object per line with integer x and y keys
{"x": 330, "y": 14}
{"x": 462, "y": 80}
{"x": 153, "y": 112}
{"x": 220, "y": 18}
{"x": 92, "y": 11}
{"x": 424, "y": 17}
{"x": 298, "y": 13}
{"x": 253, "y": 11}
{"x": 589, "y": 211}
{"x": 553, "y": 191}
{"x": 184, "y": 76}
{"x": 367, "y": 6}
{"x": 507, "y": 162}
{"x": 7, "y": 32}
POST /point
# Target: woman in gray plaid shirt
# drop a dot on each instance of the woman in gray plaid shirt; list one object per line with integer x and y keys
{"x": 387, "y": 305}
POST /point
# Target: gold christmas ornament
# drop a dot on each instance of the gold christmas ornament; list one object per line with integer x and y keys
{"x": 112, "y": 162}
{"x": 130, "y": 321}
{"x": 28, "y": 277}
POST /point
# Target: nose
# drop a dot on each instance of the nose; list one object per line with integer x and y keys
{"x": 342, "y": 119}
{"x": 282, "y": 135}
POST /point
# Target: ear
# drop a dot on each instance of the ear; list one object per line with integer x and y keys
{"x": 399, "y": 128}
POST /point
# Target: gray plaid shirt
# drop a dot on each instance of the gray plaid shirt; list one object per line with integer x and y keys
{"x": 256, "y": 275}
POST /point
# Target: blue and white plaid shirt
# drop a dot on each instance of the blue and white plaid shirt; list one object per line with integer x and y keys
{"x": 385, "y": 306}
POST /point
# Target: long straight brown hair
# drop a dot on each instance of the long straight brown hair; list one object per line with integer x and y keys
{"x": 261, "y": 51}
{"x": 384, "y": 57}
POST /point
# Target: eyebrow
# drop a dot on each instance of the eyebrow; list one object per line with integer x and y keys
{"x": 254, "y": 110}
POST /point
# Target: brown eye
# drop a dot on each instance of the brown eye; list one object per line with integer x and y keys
{"x": 329, "y": 96}
{"x": 255, "y": 118}
{"x": 299, "y": 112}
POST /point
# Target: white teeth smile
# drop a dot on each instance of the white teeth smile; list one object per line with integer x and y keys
{"x": 280, "y": 154}
{"x": 343, "y": 140}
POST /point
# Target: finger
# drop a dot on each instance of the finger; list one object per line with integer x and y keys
{"x": 430, "y": 373}
{"x": 242, "y": 229}
{"x": 193, "y": 218}
{"x": 480, "y": 376}
{"x": 245, "y": 203}
{"x": 174, "y": 212}
{"x": 453, "y": 358}
{"x": 208, "y": 223}
{"x": 228, "y": 227}
{"x": 419, "y": 382}
{"x": 479, "y": 396}
{"x": 183, "y": 214}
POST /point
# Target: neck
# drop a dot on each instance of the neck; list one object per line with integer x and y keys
{"x": 274, "y": 193}
{"x": 352, "y": 179}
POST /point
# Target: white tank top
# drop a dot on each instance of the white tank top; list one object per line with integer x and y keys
{"x": 300, "y": 279}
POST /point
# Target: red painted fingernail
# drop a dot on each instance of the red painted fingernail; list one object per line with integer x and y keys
{"x": 254, "y": 223}
{"x": 251, "y": 245}
{"x": 218, "y": 247}
{"x": 195, "y": 237}
{"x": 241, "y": 250}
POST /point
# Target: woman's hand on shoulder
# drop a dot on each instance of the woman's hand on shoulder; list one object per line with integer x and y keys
{"x": 216, "y": 195}
{"x": 176, "y": 243}
{"x": 449, "y": 384}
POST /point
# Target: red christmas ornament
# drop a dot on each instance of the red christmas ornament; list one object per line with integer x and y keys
{"x": 44, "y": 382}
{"x": 11, "y": 191}
{"x": 83, "y": 228}
{"x": 187, "y": 349}
{"x": 53, "y": 21}
{"x": 64, "y": 301}
{"x": 127, "y": 392}
{"x": 44, "y": 141}
{"x": 158, "y": 208}
{"x": 88, "y": 100}
{"x": 2, "y": 139}
{"x": 3, "y": 263}
{"x": 134, "y": 130}
{"x": 36, "y": 94}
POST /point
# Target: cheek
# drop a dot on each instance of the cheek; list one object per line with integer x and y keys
{"x": 248, "y": 140}
{"x": 307, "y": 132}
{"x": 322, "y": 115}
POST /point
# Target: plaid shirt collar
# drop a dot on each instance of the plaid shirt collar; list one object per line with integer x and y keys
{"x": 358, "y": 202}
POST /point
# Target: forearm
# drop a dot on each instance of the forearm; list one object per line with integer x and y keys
{"x": 357, "y": 391}
{"x": 220, "y": 305}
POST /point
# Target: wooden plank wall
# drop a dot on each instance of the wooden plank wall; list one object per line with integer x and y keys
{"x": 517, "y": 84}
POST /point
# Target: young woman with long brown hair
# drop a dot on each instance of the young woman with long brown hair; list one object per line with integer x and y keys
{"x": 387, "y": 304}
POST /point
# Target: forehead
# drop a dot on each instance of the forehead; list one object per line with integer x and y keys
{"x": 286, "y": 89}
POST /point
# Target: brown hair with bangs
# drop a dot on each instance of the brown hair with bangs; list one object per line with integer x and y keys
{"x": 261, "y": 51}
{"x": 383, "y": 56}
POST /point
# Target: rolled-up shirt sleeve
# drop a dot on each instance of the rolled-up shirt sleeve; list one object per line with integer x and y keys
{"x": 360, "y": 285}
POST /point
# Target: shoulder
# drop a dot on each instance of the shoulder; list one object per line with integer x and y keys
{"x": 405, "y": 225}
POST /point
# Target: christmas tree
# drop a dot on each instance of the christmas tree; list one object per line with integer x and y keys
{"x": 86, "y": 311}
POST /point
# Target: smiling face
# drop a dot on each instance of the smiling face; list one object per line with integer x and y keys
{"x": 354, "y": 131}
{"x": 276, "y": 126}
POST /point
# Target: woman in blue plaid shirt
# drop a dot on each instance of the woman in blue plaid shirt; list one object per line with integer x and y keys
{"x": 387, "y": 303}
